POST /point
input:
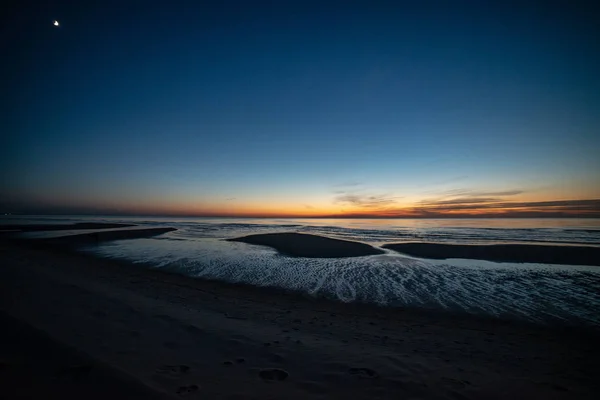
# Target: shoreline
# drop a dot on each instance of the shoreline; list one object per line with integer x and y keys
{"x": 147, "y": 322}
{"x": 62, "y": 227}
{"x": 517, "y": 253}
{"x": 83, "y": 239}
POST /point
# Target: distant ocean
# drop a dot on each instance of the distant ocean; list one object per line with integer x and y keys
{"x": 536, "y": 292}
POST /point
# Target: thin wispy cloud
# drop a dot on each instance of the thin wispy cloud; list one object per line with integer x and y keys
{"x": 468, "y": 198}
{"x": 465, "y": 202}
{"x": 462, "y": 200}
{"x": 479, "y": 193}
{"x": 507, "y": 209}
{"x": 365, "y": 200}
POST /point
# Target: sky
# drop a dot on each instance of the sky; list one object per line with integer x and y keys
{"x": 301, "y": 108}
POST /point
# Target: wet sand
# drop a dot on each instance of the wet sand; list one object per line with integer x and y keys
{"x": 520, "y": 253}
{"x": 84, "y": 239}
{"x": 63, "y": 227}
{"x": 313, "y": 246}
{"x": 200, "y": 339}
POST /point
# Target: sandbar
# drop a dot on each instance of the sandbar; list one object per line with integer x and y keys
{"x": 311, "y": 246}
{"x": 519, "y": 253}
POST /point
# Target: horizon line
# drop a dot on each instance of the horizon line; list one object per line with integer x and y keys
{"x": 481, "y": 216}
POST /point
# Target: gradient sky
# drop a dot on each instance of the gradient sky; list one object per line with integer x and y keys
{"x": 301, "y": 108}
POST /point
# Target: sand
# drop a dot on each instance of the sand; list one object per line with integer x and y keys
{"x": 63, "y": 227}
{"x": 35, "y": 366}
{"x": 147, "y": 329}
{"x": 312, "y": 246}
{"x": 92, "y": 238}
{"x": 520, "y": 253}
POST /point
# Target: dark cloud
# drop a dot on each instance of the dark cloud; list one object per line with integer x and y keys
{"x": 492, "y": 209}
{"x": 461, "y": 200}
{"x": 478, "y": 193}
{"x": 464, "y": 199}
{"x": 507, "y": 208}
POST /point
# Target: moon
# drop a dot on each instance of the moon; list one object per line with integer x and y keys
{"x": 55, "y": 23}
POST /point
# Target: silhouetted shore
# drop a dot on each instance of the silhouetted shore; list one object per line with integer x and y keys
{"x": 99, "y": 237}
{"x": 61, "y": 227}
{"x": 34, "y": 365}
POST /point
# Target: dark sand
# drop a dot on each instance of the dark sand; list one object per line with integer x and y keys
{"x": 521, "y": 253}
{"x": 304, "y": 245}
{"x": 212, "y": 340}
{"x": 35, "y": 366}
{"x": 100, "y": 236}
{"x": 67, "y": 227}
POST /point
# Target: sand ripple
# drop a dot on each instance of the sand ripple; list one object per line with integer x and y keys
{"x": 535, "y": 292}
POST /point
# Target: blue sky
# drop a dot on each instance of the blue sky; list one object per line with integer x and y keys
{"x": 271, "y": 107}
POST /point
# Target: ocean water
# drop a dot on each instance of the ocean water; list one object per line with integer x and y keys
{"x": 542, "y": 293}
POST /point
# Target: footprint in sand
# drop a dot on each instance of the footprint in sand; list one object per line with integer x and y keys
{"x": 170, "y": 345}
{"x": 99, "y": 314}
{"x": 273, "y": 374}
{"x": 77, "y": 372}
{"x": 185, "y": 390}
{"x": 173, "y": 371}
{"x": 278, "y": 358}
{"x": 363, "y": 372}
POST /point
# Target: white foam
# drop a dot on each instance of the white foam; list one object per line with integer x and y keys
{"x": 531, "y": 291}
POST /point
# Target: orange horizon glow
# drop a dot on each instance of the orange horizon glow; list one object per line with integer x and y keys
{"x": 589, "y": 208}
{"x": 337, "y": 203}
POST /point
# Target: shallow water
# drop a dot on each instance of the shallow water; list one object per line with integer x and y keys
{"x": 372, "y": 231}
{"x": 534, "y": 292}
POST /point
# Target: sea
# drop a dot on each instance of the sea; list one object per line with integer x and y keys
{"x": 539, "y": 293}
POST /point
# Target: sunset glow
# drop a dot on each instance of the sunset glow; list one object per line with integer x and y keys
{"x": 314, "y": 112}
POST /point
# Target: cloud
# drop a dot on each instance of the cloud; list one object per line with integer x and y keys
{"x": 468, "y": 198}
{"x": 479, "y": 193}
{"x": 365, "y": 200}
{"x": 461, "y": 200}
{"x": 466, "y": 203}
{"x": 477, "y": 201}
{"x": 588, "y": 205}
{"x": 493, "y": 207}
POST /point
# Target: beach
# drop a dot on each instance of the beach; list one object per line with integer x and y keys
{"x": 311, "y": 246}
{"x": 179, "y": 336}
